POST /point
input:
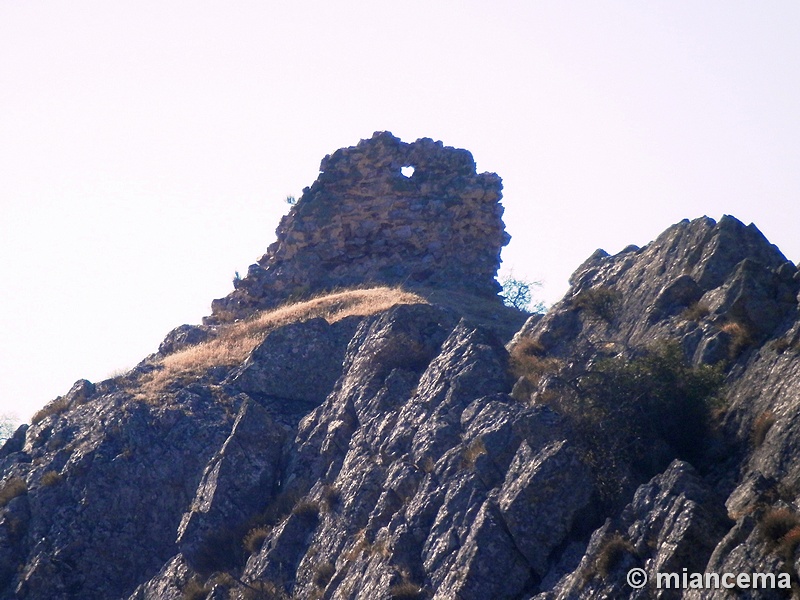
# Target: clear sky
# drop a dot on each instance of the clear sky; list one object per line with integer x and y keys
{"x": 146, "y": 148}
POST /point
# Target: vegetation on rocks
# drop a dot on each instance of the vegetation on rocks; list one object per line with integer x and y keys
{"x": 385, "y": 443}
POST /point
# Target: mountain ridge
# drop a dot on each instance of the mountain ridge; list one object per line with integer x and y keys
{"x": 435, "y": 444}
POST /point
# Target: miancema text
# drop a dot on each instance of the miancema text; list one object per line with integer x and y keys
{"x": 705, "y": 581}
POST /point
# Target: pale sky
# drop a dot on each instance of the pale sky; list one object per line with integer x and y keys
{"x": 146, "y": 148}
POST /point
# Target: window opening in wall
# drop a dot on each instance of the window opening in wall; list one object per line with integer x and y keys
{"x": 407, "y": 171}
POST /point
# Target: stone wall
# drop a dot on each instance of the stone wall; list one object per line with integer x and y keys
{"x": 365, "y": 221}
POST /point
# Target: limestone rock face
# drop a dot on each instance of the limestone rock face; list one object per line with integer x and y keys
{"x": 413, "y": 451}
{"x": 364, "y": 221}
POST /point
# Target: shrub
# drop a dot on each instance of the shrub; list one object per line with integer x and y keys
{"x": 329, "y": 497}
{"x": 640, "y": 412}
{"x": 323, "y": 574}
{"x": 661, "y": 394}
{"x": 777, "y": 523}
{"x": 611, "y": 553}
{"x": 406, "y": 591}
{"x": 527, "y": 360}
{"x": 598, "y": 303}
{"x": 787, "y": 545}
{"x": 53, "y": 407}
{"x": 472, "y": 452}
{"x": 761, "y": 427}
{"x": 12, "y": 488}
{"x": 51, "y": 478}
{"x": 194, "y": 590}
{"x": 306, "y": 508}
{"x": 517, "y": 293}
{"x": 741, "y": 337}
{"x": 277, "y": 510}
{"x": 696, "y": 311}
{"x": 428, "y": 465}
{"x": 254, "y": 539}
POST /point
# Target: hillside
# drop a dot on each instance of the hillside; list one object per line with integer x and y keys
{"x": 362, "y": 418}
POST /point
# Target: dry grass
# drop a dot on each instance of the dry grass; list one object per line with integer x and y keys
{"x": 323, "y": 574}
{"x": 527, "y": 360}
{"x": 761, "y": 427}
{"x": 255, "y": 538}
{"x": 405, "y": 591}
{"x": 235, "y": 341}
{"x": 600, "y": 303}
{"x": 611, "y": 554}
{"x": 696, "y": 311}
{"x": 194, "y": 590}
{"x": 53, "y": 407}
{"x": 13, "y": 487}
{"x": 51, "y": 478}
{"x": 777, "y": 523}
{"x": 472, "y": 452}
{"x": 741, "y": 337}
{"x": 787, "y": 545}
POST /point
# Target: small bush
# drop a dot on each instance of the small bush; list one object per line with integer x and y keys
{"x": 696, "y": 311}
{"x": 330, "y": 497}
{"x": 741, "y": 337}
{"x": 787, "y": 545}
{"x": 518, "y": 293}
{"x": 12, "y": 488}
{"x": 224, "y": 579}
{"x": 194, "y": 590}
{"x": 777, "y": 523}
{"x": 781, "y": 345}
{"x": 611, "y": 553}
{"x": 761, "y": 427}
{"x": 527, "y": 360}
{"x": 633, "y": 414}
{"x": 277, "y": 510}
{"x": 472, "y": 452}
{"x": 360, "y": 544}
{"x": 306, "y": 508}
{"x": 406, "y": 591}
{"x": 598, "y": 303}
{"x": 53, "y": 407}
{"x": 323, "y": 574}
{"x": 254, "y": 539}
{"x": 51, "y": 478}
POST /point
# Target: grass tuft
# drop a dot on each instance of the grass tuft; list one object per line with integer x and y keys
{"x": 777, "y": 523}
{"x": 611, "y": 554}
{"x": 761, "y": 427}
{"x": 741, "y": 337}
{"x": 696, "y": 311}
{"x": 51, "y": 478}
{"x": 55, "y": 407}
{"x": 600, "y": 303}
{"x": 12, "y": 488}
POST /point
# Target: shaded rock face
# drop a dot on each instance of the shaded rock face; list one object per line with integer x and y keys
{"x": 364, "y": 221}
{"x": 407, "y": 454}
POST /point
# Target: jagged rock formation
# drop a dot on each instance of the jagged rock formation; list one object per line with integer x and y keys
{"x": 408, "y": 452}
{"x": 364, "y": 221}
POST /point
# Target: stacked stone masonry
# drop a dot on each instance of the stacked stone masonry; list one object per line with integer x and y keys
{"x": 369, "y": 219}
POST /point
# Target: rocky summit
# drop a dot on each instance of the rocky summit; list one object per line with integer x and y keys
{"x": 363, "y": 418}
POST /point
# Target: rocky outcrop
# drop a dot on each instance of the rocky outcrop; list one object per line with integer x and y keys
{"x": 648, "y": 420}
{"x": 366, "y": 219}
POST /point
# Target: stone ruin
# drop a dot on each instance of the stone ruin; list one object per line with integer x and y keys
{"x": 382, "y": 212}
